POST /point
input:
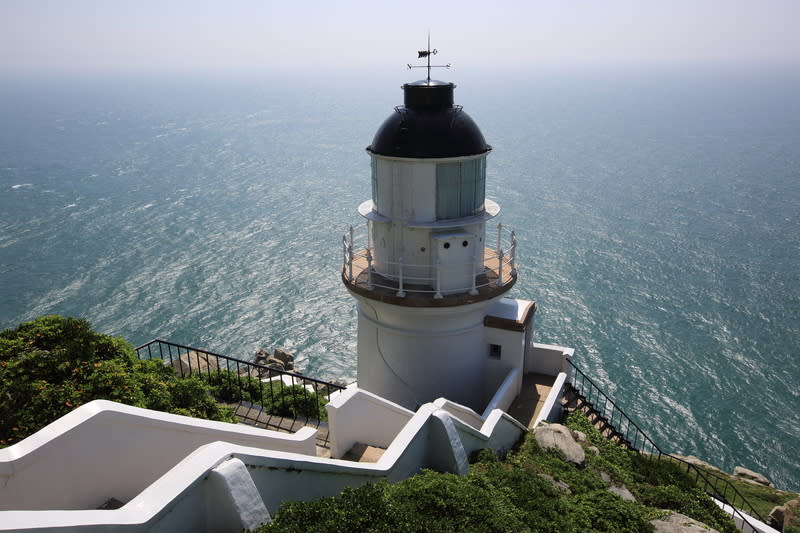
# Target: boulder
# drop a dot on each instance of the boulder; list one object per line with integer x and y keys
{"x": 678, "y": 523}
{"x": 623, "y": 492}
{"x": 261, "y": 356}
{"x": 594, "y": 449}
{"x": 580, "y": 436}
{"x": 748, "y": 475}
{"x": 192, "y": 363}
{"x": 691, "y": 459}
{"x": 284, "y": 357}
{"x": 277, "y": 364}
{"x": 791, "y": 515}
{"x": 776, "y": 516}
{"x": 556, "y": 436}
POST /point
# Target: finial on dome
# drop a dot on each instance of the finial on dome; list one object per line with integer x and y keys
{"x": 427, "y": 54}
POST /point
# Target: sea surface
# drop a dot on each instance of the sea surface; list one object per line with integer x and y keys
{"x": 657, "y": 212}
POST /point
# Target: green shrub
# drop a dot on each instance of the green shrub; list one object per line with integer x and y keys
{"x": 276, "y": 397}
{"x": 603, "y": 511}
{"x": 228, "y": 386}
{"x": 692, "y": 502}
{"x": 295, "y": 401}
{"x": 525, "y": 492}
{"x": 450, "y": 504}
{"x": 363, "y": 509}
{"x": 51, "y": 365}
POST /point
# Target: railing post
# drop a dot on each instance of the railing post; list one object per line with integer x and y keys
{"x": 513, "y": 253}
{"x": 499, "y": 236}
{"x": 438, "y": 267}
{"x": 499, "y": 282}
{"x": 474, "y": 291}
{"x": 350, "y": 256}
{"x": 369, "y": 269}
{"x": 401, "y": 293}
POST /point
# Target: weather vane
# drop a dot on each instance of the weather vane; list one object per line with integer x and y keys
{"x": 427, "y": 54}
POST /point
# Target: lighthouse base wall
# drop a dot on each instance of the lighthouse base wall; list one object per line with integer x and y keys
{"x": 415, "y": 355}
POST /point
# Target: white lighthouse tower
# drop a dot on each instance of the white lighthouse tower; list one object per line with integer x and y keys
{"x": 430, "y": 267}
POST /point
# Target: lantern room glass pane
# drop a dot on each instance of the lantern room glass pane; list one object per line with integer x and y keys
{"x": 460, "y": 188}
{"x": 448, "y": 180}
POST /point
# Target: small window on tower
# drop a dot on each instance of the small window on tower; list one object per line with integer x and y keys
{"x": 494, "y": 351}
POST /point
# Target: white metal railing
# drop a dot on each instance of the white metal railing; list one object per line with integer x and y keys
{"x": 360, "y": 269}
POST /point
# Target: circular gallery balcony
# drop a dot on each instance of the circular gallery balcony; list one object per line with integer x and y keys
{"x": 412, "y": 285}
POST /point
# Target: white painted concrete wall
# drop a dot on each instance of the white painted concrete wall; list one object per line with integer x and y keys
{"x": 356, "y": 415}
{"x": 413, "y": 355}
{"x": 755, "y": 525}
{"x": 552, "y": 409}
{"x": 506, "y": 393}
{"x": 463, "y": 413}
{"x": 548, "y": 359}
{"x": 209, "y": 491}
{"x": 104, "y": 449}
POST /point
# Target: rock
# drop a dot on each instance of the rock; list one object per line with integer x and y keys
{"x": 556, "y": 436}
{"x": 678, "y": 523}
{"x": 749, "y": 475}
{"x": 261, "y": 356}
{"x": 791, "y": 516}
{"x": 277, "y": 364}
{"x": 691, "y": 459}
{"x": 605, "y": 477}
{"x": 623, "y": 492}
{"x": 192, "y": 363}
{"x": 776, "y": 516}
{"x": 594, "y": 449}
{"x": 579, "y": 436}
{"x": 284, "y": 357}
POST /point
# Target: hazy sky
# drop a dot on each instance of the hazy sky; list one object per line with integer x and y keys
{"x": 190, "y": 35}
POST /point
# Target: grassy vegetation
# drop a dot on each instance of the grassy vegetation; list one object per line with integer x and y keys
{"x": 277, "y": 398}
{"x": 763, "y": 499}
{"x": 530, "y": 490}
{"x": 51, "y": 365}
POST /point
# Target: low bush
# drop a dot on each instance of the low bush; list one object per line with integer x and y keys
{"x": 531, "y": 490}
{"x": 293, "y": 401}
{"x": 51, "y": 365}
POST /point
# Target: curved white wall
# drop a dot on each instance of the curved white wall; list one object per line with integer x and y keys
{"x": 413, "y": 355}
{"x": 108, "y": 450}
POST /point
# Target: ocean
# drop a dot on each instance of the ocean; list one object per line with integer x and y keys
{"x": 657, "y": 213}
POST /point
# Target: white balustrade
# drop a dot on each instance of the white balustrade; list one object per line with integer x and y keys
{"x": 361, "y": 269}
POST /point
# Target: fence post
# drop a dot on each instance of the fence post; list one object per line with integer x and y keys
{"x": 369, "y": 269}
{"x": 401, "y": 293}
{"x": 474, "y": 291}
{"x": 499, "y": 282}
{"x": 513, "y": 253}
{"x": 438, "y": 267}
{"x": 350, "y": 256}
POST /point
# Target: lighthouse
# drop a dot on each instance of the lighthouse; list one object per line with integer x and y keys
{"x": 430, "y": 267}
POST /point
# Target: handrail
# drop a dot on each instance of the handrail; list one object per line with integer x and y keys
{"x": 358, "y": 256}
{"x": 271, "y": 381}
{"x": 636, "y": 439}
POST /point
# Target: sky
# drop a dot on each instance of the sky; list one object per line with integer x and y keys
{"x": 107, "y": 36}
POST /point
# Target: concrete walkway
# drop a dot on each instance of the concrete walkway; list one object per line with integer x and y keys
{"x": 535, "y": 388}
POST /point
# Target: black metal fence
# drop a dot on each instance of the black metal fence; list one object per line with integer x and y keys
{"x": 625, "y": 430}
{"x": 261, "y": 389}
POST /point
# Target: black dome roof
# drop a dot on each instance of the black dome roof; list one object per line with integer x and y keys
{"x": 428, "y": 125}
